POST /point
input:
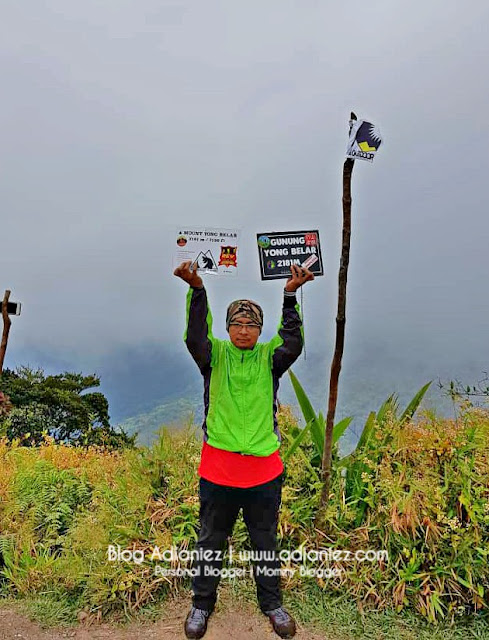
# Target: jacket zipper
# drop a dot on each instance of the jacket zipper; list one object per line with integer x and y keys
{"x": 242, "y": 396}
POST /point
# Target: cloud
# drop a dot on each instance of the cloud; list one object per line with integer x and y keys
{"x": 121, "y": 119}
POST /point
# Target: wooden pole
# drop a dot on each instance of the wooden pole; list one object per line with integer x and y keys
{"x": 6, "y": 328}
{"x": 340, "y": 335}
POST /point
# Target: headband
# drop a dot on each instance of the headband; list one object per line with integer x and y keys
{"x": 244, "y": 309}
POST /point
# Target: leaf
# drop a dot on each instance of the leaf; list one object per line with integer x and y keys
{"x": 302, "y": 453}
{"x": 317, "y": 429}
{"x": 304, "y": 402}
{"x": 367, "y": 432}
{"x": 295, "y": 442}
{"x": 340, "y": 428}
{"x": 346, "y": 461}
{"x": 463, "y": 582}
{"x": 389, "y": 406}
{"x": 318, "y": 435}
{"x": 410, "y": 410}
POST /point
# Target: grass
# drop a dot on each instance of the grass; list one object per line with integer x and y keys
{"x": 425, "y": 499}
{"x": 337, "y": 616}
{"x": 341, "y": 619}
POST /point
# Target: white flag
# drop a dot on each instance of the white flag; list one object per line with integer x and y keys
{"x": 364, "y": 142}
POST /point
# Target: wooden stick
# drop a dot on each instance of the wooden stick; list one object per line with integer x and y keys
{"x": 340, "y": 334}
{"x": 6, "y": 328}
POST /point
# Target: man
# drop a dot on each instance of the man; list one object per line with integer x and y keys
{"x": 240, "y": 465}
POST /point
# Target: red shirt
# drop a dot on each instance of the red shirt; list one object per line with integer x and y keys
{"x": 238, "y": 470}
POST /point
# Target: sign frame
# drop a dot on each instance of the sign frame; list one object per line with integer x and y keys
{"x": 289, "y": 257}
{"x": 215, "y": 251}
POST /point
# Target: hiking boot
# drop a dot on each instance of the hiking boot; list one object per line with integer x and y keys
{"x": 196, "y": 623}
{"x": 283, "y": 624}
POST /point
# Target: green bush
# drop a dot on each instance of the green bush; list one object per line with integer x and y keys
{"x": 426, "y": 497}
{"x": 56, "y": 406}
{"x": 425, "y": 500}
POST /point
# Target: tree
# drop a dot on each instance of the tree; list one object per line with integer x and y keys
{"x": 58, "y": 406}
{"x": 5, "y": 405}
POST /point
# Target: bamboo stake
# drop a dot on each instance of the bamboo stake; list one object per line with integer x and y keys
{"x": 340, "y": 335}
{"x": 6, "y": 328}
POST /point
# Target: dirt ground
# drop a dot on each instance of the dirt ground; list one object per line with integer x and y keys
{"x": 224, "y": 624}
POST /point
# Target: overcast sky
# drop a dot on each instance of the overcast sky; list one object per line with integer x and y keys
{"x": 122, "y": 119}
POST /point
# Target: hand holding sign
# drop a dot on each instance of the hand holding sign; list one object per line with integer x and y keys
{"x": 300, "y": 275}
{"x": 188, "y": 273}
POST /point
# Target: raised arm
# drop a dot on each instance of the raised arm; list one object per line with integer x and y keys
{"x": 198, "y": 332}
{"x": 287, "y": 344}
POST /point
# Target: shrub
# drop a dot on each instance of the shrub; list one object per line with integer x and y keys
{"x": 426, "y": 495}
{"x": 50, "y": 497}
{"x": 425, "y": 500}
{"x": 57, "y": 406}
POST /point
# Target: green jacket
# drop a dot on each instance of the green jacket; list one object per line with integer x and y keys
{"x": 240, "y": 385}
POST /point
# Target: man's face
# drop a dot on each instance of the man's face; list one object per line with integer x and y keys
{"x": 243, "y": 333}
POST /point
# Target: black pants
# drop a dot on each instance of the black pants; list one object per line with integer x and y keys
{"x": 219, "y": 508}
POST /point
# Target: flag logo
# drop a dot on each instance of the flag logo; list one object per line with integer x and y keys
{"x": 228, "y": 256}
{"x": 365, "y": 140}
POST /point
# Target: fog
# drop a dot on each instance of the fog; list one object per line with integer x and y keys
{"x": 121, "y": 120}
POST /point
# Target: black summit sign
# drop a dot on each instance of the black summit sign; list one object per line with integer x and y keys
{"x": 279, "y": 250}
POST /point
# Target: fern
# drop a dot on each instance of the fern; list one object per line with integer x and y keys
{"x": 51, "y": 497}
{"x": 7, "y": 550}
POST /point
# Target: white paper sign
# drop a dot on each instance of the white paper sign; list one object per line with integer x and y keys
{"x": 214, "y": 250}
